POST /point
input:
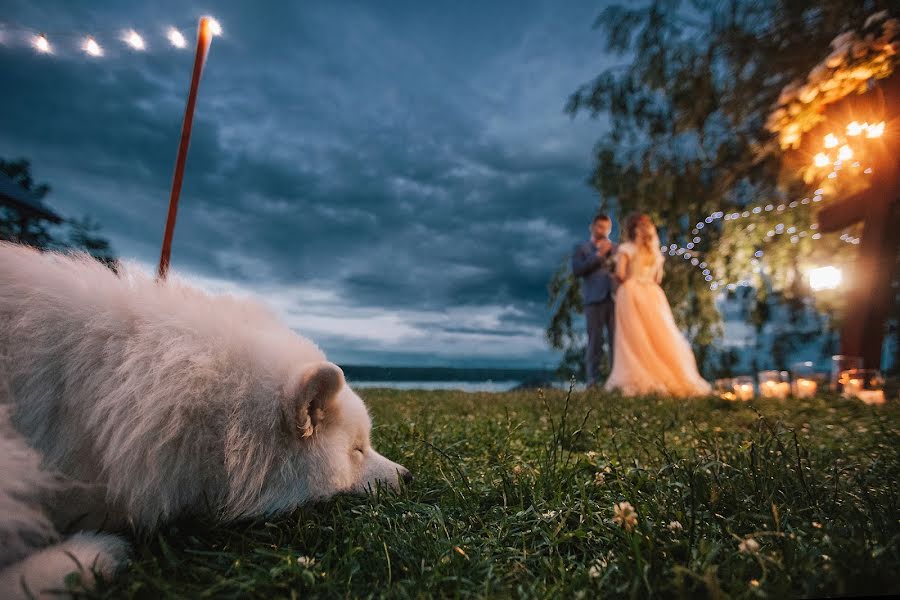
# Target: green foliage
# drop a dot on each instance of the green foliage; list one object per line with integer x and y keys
{"x": 686, "y": 111}
{"x": 37, "y": 232}
{"x": 562, "y": 333}
{"x": 82, "y": 234}
{"x": 514, "y": 493}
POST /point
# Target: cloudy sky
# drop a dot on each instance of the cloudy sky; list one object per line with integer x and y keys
{"x": 397, "y": 179}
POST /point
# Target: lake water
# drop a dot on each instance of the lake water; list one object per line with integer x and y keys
{"x": 465, "y": 386}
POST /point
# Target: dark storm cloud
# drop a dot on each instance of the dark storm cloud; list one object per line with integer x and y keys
{"x": 409, "y": 166}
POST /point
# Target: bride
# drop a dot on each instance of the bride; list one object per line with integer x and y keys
{"x": 651, "y": 354}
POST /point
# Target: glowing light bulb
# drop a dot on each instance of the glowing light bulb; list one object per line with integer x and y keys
{"x": 91, "y": 47}
{"x": 821, "y": 160}
{"x": 845, "y": 152}
{"x": 41, "y": 44}
{"x": 854, "y": 128}
{"x": 825, "y": 278}
{"x": 134, "y": 39}
{"x": 175, "y": 38}
{"x": 214, "y": 27}
{"x": 876, "y": 130}
{"x": 831, "y": 140}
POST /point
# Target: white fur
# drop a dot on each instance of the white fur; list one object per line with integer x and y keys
{"x": 165, "y": 401}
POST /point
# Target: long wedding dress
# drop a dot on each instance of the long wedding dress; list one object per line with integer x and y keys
{"x": 651, "y": 354}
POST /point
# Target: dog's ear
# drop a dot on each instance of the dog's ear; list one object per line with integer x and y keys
{"x": 316, "y": 396}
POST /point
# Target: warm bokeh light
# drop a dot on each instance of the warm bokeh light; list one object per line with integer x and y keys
{"x": 41, "y": 44}
{"x": 825, "y": 278}
{"x": 854, "y": 128}
{"x": 821, "y": 160}
{"x": 831, "y": 140}
{"x": 875, "y": 130}
{"x": 175, "y": 38}
{"x": 134, "y": 39}
{"x": 845, "y": 152}
{"x": 91, "y": 47}
{"x": 214, "y": 27}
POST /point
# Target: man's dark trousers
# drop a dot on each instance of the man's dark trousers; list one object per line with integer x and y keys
{"x": 598, "y": 287}
{"x": 601, "y": 326}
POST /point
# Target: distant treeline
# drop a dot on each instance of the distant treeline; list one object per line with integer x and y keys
{"x": 372, "y": 373}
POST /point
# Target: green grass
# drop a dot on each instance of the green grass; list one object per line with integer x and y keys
{"x": 514, "y": 496}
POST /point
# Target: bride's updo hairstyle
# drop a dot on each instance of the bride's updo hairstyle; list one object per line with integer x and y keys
{"x": 640, "y": 231}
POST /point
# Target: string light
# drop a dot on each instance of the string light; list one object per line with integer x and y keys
{"x": 41, "y": 44}
{"x": 874, "y": 131}
{"x": 96, "y": 44}
{"x": 134, "y": 39}
{"x": 91, "y": 47}
{"x": 779, "y": 229}
{"x": 214, "y": 27}
{"x": 820, "y": 160}
{"x": 824, "y": 278}
{"x": 845, "y": 152}
{"x": 176, "y": 38}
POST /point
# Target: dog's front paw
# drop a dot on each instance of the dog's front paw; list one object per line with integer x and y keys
{"x": 70, "y": 566}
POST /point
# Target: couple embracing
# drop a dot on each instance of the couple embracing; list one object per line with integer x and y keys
{"x": 624, "y": 302}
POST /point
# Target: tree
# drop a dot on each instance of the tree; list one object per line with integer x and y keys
{"x": 82, "y": 234}
{"x": 687, "y": 111}
{"x": 34, "y": 231}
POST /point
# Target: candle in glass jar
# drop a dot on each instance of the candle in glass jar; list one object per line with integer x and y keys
{"x": 852, "y": 387}
{"x": 806, "y": 388}
{"x": 871, "y": 396}
{"x": 743, "y": 391}
{"x": 774, "y": 389}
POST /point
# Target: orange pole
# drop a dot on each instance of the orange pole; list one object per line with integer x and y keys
{"x": 204, "y": 36}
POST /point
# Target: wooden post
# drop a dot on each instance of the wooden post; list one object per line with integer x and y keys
{"x": 204, "y": 36}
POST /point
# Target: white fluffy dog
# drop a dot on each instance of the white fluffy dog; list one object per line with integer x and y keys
{"x": 149, "y": 401}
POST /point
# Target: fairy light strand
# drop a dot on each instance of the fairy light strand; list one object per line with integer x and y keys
{"x": 696, "y": 258}
{"x": 95, "y": 43}
{"x": 843, "y": 154}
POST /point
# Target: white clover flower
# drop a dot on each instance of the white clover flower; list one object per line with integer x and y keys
{"x": 306, "y": 561}
{"x": 675, "y": 526}
{"x": 596, "y": 568}
{"x": 624, "y": 515}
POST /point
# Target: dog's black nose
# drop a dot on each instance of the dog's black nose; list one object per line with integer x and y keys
{"x": 407, "y": 477}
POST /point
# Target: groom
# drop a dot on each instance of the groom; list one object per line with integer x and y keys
{"x": 592, "y": 261}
